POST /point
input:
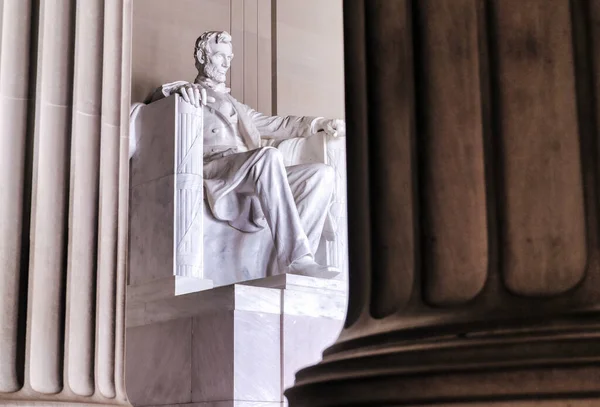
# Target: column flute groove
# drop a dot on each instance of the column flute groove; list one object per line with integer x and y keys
{"x": 14, "y": 99}
{"x": 123, "y": 205}
{"x": 85, "y": 162}
{"x": 51, "y": 138}
{"x": 110, "y": 144}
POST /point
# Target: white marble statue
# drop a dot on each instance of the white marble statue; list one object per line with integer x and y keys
{"x": 246, "y": 182}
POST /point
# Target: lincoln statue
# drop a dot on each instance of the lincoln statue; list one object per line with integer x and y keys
{"x": 246, "y": 183}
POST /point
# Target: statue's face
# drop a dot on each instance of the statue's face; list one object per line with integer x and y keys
{"x": 218, "y": 62}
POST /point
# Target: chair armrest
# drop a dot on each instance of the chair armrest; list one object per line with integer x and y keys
{"x": 302, "y": 150}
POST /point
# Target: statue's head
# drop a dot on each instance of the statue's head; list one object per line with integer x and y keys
{"x": 213, "y": 54}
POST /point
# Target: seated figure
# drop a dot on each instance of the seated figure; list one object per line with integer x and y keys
{"x": 245, "y": 181}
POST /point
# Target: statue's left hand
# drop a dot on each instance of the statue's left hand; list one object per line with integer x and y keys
{"x": 335, "y": 128}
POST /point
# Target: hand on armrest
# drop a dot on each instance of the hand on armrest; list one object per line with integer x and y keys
{"x": 190, "y": 92}
{"x": 195, "y": 95}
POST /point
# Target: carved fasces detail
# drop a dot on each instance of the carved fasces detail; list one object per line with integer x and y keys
{"x": 189, "y": 195}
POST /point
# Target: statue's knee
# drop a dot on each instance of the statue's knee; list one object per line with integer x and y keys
{"x": 325, "y": 173}
{"x": 272, "y": 155}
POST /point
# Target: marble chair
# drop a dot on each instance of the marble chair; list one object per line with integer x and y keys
{"x": 176, "y": 245}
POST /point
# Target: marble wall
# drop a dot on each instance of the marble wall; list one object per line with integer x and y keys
{"x": 310, "y": 58}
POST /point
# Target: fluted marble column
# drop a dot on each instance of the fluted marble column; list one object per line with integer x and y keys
{"x": 64, "y": 107}
{"x": 474, "y": 190}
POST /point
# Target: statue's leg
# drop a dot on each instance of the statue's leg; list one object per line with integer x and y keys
{"x": 312, "y": 186}
{"x": 268, "y": 180}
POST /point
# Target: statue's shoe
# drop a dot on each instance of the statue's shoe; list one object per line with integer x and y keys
{"x": 310, "y": 268}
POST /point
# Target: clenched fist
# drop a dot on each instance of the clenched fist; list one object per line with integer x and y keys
{"x": 331, "y": 127}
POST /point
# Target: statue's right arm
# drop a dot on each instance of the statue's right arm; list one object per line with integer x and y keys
{"x": 164, "y": 91}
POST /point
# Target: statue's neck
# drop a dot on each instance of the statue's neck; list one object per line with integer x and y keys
{"x": 211, "y": 84}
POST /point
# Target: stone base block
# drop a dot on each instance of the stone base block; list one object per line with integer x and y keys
{"x": 241, "y": 343}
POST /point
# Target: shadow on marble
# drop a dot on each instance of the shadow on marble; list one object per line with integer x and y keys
{"x": 162, "y": 369}
{"x": 236, "y": 355}
{"x": 151, "y": 229}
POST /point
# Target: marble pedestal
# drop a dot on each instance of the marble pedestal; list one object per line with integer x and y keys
{"x": 238, "y": 345}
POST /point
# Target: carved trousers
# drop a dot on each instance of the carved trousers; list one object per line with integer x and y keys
{"x": 295, "y": 202}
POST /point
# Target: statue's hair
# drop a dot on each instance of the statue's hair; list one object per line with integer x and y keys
{"x": 202, "y": 47}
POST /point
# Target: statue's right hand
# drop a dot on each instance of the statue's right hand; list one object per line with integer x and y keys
{"x": 195, "y": 95}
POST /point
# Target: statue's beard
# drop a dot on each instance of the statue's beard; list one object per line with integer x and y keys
{"x": 211, "y": 72}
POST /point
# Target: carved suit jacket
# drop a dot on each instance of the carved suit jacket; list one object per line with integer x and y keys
{"x": 235, "y": 137}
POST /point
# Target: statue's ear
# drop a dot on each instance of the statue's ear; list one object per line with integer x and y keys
{"x": 200, "y": 56}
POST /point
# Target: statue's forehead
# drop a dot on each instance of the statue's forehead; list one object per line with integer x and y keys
{"x": 223, "y": 48}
